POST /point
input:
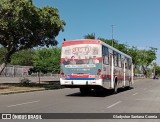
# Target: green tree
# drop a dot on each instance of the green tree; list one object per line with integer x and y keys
{"x": 2, "y": 53}
{"x": 134, "y": 53}
{"x": 157, "y": 70}
{"x": 153, "y": 68}
{"x": 116, "y": 44}
{"x": 23, "y": 26}
{"x": 90, "y": 36}
{"x": 107, "y": 41}
{"x": 146, "y": 57}
{"x": 47, "y": 60}
{"x": 23, "y": 57}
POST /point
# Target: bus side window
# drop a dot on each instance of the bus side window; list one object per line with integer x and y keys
{"x": 115, "y": 58}
{"x": 110, "y": 61}
{"x": 119, "y": 60}
{"x": 105, "y": 55}
{"x": 127, "y": 63}
{"x": 122, "y": 62}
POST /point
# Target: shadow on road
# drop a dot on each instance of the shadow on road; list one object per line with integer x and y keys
{"x": 100, "y": 93}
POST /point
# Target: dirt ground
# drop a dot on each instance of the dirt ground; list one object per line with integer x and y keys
{"x": 7, "y": 89}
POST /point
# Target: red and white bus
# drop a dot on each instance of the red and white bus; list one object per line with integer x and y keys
{"x": 91, "y": 64}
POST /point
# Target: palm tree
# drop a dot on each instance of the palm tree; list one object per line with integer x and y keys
{"x": 90, "y": 36}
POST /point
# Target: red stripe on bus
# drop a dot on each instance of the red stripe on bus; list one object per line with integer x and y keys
{"x": 120, "y": 77}
{"x": 75, "y": 42}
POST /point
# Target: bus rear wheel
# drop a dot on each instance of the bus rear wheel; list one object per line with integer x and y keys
{"x": 115, "y": 87}
{"x": 85, "y": 90}
{"x": 130, "y": 84}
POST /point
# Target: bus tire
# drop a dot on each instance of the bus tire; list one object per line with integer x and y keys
{"x": 115, "y": 86}
{"x": 130, "y": 84}
{"x": 85, "y": 91}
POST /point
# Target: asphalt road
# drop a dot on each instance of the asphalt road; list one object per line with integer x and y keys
{"x": 143, "y": 98}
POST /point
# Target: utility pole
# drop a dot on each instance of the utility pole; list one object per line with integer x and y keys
{"x": 112, "y": 35}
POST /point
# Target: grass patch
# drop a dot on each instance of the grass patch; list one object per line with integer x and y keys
{"x": 7, "y": 88}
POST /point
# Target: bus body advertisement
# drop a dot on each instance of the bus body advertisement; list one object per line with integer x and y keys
{"x": 89, "y": 64}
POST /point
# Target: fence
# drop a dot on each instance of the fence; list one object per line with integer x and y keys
{"x": 22, "y": 71}
{"x": 15, "y": 71}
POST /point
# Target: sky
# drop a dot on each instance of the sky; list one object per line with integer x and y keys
{"x": 135, "y": 22}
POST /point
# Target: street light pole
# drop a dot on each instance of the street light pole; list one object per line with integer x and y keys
{"x": 112, "y": 35}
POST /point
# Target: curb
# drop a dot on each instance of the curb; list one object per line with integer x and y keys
{"x": 21, "y": 91}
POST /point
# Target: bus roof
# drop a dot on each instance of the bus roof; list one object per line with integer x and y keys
{"x": 80, "y": 41}
{"x": 92, "y": 41}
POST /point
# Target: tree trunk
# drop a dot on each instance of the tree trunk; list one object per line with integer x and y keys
{"x": 39, "y": 77}
{"x": 144, "y": 71}
{"x": 134, "y": 70}
{"x": 2, "y": 67}
{"x": 6, "y": 60}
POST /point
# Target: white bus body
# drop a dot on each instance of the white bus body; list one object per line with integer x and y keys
{"x": 89, "y": 64}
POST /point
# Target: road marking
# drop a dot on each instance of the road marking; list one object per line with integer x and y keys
{"x": 23, "y": 103}
{"x": 141, "y": 99}
{"x": 134, "y": 94}
{"x": 154, "y": 91}
{"x": 114, "y": 104}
